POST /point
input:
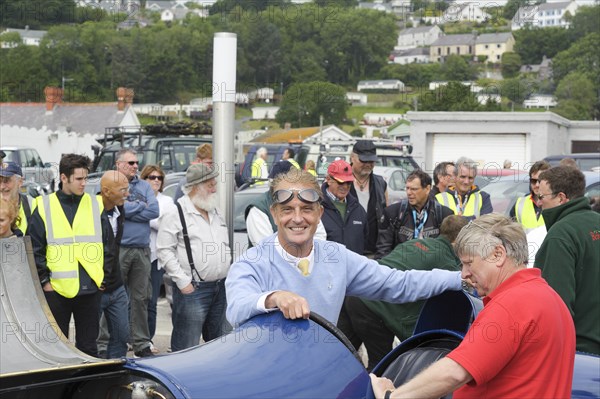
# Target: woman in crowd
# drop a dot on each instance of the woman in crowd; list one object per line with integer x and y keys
{"x": 154, "y": 175}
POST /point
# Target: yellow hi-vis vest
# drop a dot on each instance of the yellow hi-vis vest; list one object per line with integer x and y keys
{"x": 257, "y": 170}
{"x": 68, "y": 246}
{"x": 294, "y": 163}
{"x": 471, "y": 208}
{"x": 22, "y": 221}
{"x": 525, "y": 214}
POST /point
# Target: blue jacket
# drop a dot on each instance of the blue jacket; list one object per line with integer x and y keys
{"x": 353, "y": 230}
{"x": 140, "y": 208}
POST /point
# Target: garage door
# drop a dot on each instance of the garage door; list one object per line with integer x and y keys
{"x": 489, "y": 150}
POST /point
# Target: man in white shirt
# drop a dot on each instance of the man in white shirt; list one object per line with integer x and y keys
{"x": 199, "y": 301}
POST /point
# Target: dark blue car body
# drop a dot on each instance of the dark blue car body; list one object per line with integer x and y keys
{"x": 267, "y": 357}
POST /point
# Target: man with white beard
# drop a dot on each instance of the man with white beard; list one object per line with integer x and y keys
{"x": 198, "y": 267}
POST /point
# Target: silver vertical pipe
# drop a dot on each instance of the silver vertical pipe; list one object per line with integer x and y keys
{"x": 224, "y": 95}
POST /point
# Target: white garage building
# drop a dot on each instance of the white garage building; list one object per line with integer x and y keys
{"x": 492, "y": 137}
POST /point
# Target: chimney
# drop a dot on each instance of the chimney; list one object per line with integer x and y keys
{"x": 124, "y": 97}
{"x": 54, "y": 96}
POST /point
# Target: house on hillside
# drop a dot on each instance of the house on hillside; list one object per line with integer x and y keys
{"x": 380, "y": 85}
{"x": 546, "y": 101}
{"x": 55, "y": 127}
{"x": 544, "y": 15}
{"x": 28, "y": 37}
{"x": 264, "y": 113}
{"x": 467, "y": 12}
{"x": 451, "y": 44}
{"x": 419, "y": 55}
{"x": 418, "y": 37}
{"x": 493, "y": 45}
{"x": 357, "y": 98}
{"x": 541, "y": 71}
{"x": 377, "y": 5}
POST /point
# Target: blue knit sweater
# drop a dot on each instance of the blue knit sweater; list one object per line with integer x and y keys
{"x": 337, "y": 272}
{"x": 140, "y": 208}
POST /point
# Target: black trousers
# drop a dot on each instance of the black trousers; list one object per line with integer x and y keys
{"x": 361, "y": 325}
{"x": 85, "y": 310}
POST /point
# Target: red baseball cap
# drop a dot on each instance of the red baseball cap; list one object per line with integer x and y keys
{"x": 341, "y": 171}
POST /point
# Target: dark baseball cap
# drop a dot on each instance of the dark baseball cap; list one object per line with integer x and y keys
{"x": 279, "y": 168}
{"x": 8, "y": 169}
{"x": 365, "y": 149}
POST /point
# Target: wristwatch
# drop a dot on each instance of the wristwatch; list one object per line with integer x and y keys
{"x": 388, "y": 394}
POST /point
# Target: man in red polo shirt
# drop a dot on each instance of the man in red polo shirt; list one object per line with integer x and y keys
{"x": 510, "y": 350}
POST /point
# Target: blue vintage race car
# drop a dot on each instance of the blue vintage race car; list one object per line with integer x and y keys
{"x": 267, "y": 357}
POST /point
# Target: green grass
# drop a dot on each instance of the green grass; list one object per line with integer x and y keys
{"x": 256, "y": 125}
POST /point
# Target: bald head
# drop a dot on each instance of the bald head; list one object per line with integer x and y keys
{"x": 114, "y": 187}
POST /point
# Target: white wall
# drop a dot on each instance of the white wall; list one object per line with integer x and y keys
{"x": 50, "y": 145}
{"x": 547, "y": 133}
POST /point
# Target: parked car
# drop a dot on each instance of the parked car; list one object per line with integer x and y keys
{"x": 505, "y": 190}
{"x": 255, "y": 360}
{"x": 585, "y": 161}
{"x": 34, "y": 169}
{"x": 486, "y": 176}
{"x": 395, "y": 177}
{"x": 389, "y": 153}
{"x": 169, "y": 148}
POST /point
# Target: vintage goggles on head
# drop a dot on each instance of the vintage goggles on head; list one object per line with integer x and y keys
{"x": 307, "y": 195}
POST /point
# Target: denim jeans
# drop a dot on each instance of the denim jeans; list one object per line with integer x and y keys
{"x": 156, "y": 278}
{"x": 201, "y": 313}
{"x": 115, "y": 306}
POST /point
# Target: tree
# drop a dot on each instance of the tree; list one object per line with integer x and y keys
{"x": 357, "y": 44}
{"x": 582, "y": 57}
{"x": 576, "y": 97}
{"x": 516, "y": 90}
{"x": 453, "y": 97}
{"x": 585, "y": 21}
{"x": 304, "y": 103}
{"x": 533, "y": 44}
{"x": 456, "y": 68}
{"x": 413, "y": 75}
{"x": 511, "y": 64}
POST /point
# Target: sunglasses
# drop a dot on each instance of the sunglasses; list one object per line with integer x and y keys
{"x": 131, "y": 162}
{"x": 160, "y": 178}
{"x": 534, "y": 181}
{"x": 307, "y": 195}
{"x": 542, "y": 196}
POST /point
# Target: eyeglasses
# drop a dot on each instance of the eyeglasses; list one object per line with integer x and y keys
{"x": 307, "y": 195}
{"x": 542, "y": 196}
{"x": 153, "y": 177}
{"x": 534, "y": 181}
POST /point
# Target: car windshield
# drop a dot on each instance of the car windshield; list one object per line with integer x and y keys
{"x": 10, "y": 156}
{"x": 241, "y": 201}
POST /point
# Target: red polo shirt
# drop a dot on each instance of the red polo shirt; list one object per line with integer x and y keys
{"x": 521, "y": 345}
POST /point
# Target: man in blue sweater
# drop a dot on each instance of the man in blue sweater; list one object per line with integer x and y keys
{"x": 134, "y": 255}
{"x": 294, "y": 273}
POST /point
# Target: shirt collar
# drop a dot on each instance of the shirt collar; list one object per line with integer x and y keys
{"x": 517, "y": 278}
{"x": 290, "y": 259}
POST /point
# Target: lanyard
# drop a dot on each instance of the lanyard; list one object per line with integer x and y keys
{"x": 459, "y": 203}
{"x": 420, "y": 226}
